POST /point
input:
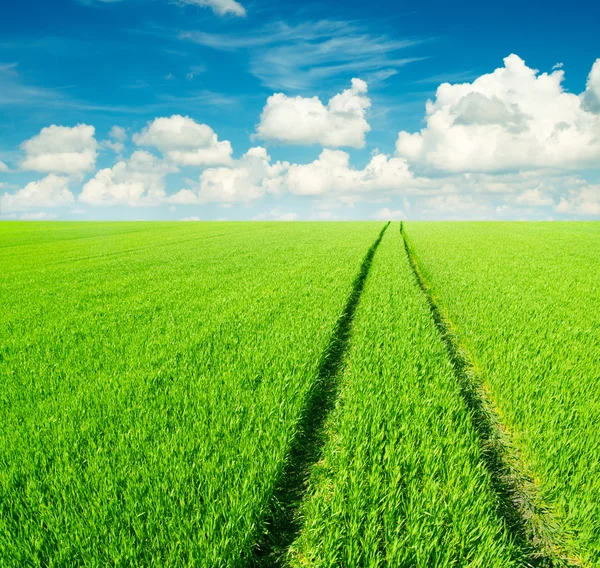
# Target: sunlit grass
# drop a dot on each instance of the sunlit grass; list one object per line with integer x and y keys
{"x": 401, "y": 481}
{"x": 524, "y": 298}
{"x": 151, "y": 379}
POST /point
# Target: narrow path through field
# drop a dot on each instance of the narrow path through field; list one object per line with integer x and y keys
{"x": 525, "y": 517}
{"x": 282, "y": 524}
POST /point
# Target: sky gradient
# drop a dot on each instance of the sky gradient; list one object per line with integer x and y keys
{"x": 225, "y": 109}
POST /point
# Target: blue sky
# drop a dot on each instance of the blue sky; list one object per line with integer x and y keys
{"x": 221, "y": 109}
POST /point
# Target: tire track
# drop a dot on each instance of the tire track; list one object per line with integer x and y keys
{"x": 282, "y": 524}
{"x": 528, "y": 521}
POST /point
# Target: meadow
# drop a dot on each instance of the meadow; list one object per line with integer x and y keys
{"x": 401, "y": 481}
{"x": 299, "y": 394}
{"x": 523, "y": 300}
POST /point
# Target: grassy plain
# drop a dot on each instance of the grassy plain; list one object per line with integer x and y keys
{"x": 152, "y": 378}
{"x": 524, "y": 301}
{"x": 239, "y": 394}
{"x": 401, "y": 481}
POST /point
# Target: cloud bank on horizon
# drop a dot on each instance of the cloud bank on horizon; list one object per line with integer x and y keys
{"x": 509, "y": 143}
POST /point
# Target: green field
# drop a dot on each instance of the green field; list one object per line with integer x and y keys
{"x": 524, "y": 301}
{"x": 401, "y": 482}
{"x": 302, "y": 394}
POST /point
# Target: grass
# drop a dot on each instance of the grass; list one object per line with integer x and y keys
{"x": 401, "y": 480}
{"x": 282, "y": 524}
{"x": 520, "y": 298}
{"x": 153, "y": 377}
{"x": 305, "y": 394}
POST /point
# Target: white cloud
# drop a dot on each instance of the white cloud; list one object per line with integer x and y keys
{"x": 591, "y": 96}
{"x": 387, "y": 214}
{"x": 275, "y": 215}
{"x": 511, "y": 184}
{"x": 516, "y": 195}
{"x": 194, "y": 71}
{"x": 40, "y": 216}
{"x": 61, "y": 149}
{"x": 456, "y": 206}
{"x": 584, "y": 201}
{"x": 190, "y": 219}
{"x": 186, "y": 142}
{"x": 534, "y": 197}
{"x": 332, "y": 173}
{"x": 184, "y": 197}
{"x": 325, "y": 216}
{"x": 300, "y": 120}
{"x": 311, "y": 53}
{"x": 250, "y": 178}
{"x": 220, "y": 7}
{"x": 3, "y": 167}
{"x": 118, "y": 133}
{"x": 511, "y": 119}
{"x": 140, "y": 180}
{"x": 116, "y": 147}
{"x": 51, "y": 191}
{"x": 379, "y": 77}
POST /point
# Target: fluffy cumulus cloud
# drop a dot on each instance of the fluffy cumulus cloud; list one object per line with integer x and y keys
{"x": 534, "y": 197}
{"x": 116, "y": 141}
{"x": 387, "y": 214}
{"x": 531, "y": 194}
{"x": 118, "y": 133}
{"x": 61, "y": 149}
{"x": 591, "y": 97}
{"x": 140, "y": 180}
{"x": 288, "y": 216}
{"x": 507, "y": 144}
{"x": 331, "y": 172}
{"x": 184, "y": 141}
{"x": 251, "y": 177}
{"x": 220, "y": 7}
{"x": 512, "y": 119}
{"x": 301, "y": 120}
{"x": 51, "y": 191}
{"x": 583, "y": 201}
{"x": 254, "y": 176}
